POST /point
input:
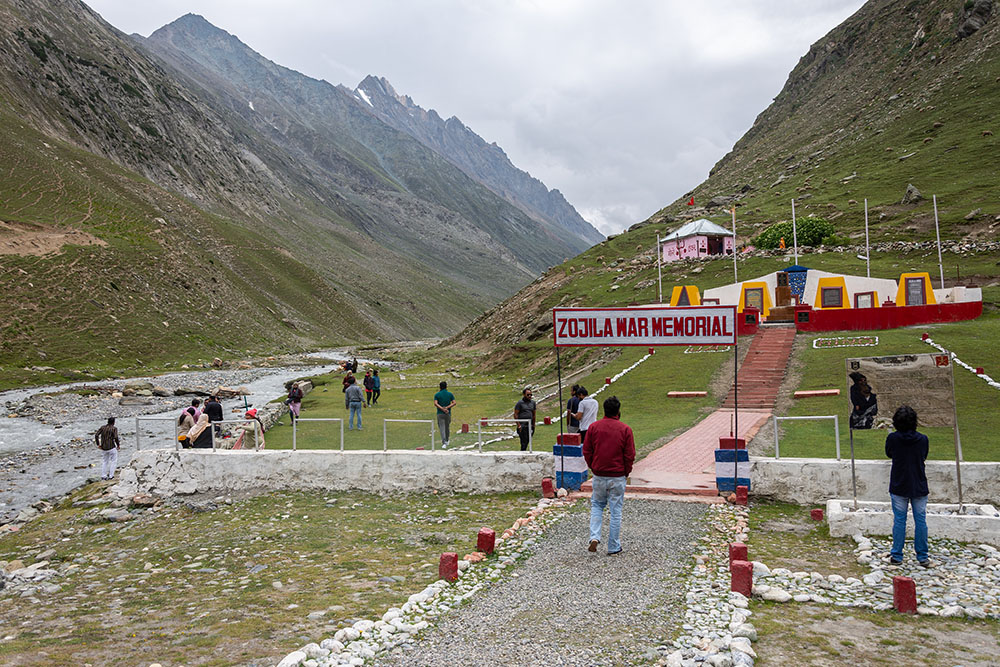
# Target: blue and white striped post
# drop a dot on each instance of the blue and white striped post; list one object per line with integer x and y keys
{"x": 571, "y": 467}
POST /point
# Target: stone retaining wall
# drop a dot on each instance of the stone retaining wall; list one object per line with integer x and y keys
{"x": 167, "y": 472}
{"x": 979, "y": 524}
{"x": 813, "y": 481}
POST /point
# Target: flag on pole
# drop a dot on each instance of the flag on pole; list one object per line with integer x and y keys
{"x": 691, "y": 201}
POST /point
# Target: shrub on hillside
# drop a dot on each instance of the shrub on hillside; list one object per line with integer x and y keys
{"x": 810, "y": 231}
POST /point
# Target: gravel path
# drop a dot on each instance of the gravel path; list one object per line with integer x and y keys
{"x": 566, "y": 606}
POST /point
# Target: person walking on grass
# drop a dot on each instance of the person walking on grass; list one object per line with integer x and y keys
{"x": 587, "y": 408}
{"x": 525, "y": 409}
{"x": 609, "y": 449}
{"x": 109, "y": 443}
{"x": 294, "y": 401}
{"x": 444, "y": 401}
{"x": 354, "y": 400}
{"x": 376, "y": 387}
{"x": 908, "y": 484}
{"x": 369, "y": 383}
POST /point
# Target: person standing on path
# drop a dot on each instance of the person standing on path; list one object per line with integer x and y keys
{"x": 908, "y": 484}
{"x": 354, "y": 400}
{"x": 525, "y": 409}
{"x": 609, "y": 449}
{"x": 108, "y": 442}
{"x": 587, "y": 411}
{"x": 354, "y": 365}
{"x": 348, "y": 380}
{"x": 572, "y": 407}
{"x": 376, "y": 387}
{"x": 444, "y": 401}
{"x": 369, "y": 383}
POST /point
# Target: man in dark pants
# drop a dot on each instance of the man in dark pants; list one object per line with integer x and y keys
{"x": 609, "y": 449}
{"x": 525, "y": 409}
{"x": 572, "y": 407}
{"x": 213, "y": 408}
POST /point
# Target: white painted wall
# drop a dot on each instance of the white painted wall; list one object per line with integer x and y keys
{"x": 980, "y": 524}
{"x": 169, "y": 472}
{"x": 885, "y": 289}
{"x": 811, "y": 481}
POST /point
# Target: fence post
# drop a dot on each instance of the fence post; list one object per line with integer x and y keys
{"x": 479, "y": 434}
{"x": 213, "y": 435}
{"x": 295, "y": 429}
{"x": 531, "y": 434}
{"x": 342, "y": 433}
{"x": 774, "y": 418}
{"x": 137, "y": 445}
{"x": 256, "y": 438}
{"x": 432, "y": 431}
{"x": 836, "y": 430}
{"x": 385, "y": 438}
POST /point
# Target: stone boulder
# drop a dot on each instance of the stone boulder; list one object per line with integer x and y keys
{"x": 976, "y": 16}
{"x": 162, "y": 392}
{"x": 190, "y": 391}
{"x": 230, "y": 392}
{"x": 132, "y": 387}
{"x": 912, "y": 195}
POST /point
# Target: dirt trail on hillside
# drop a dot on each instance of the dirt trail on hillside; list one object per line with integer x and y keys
{"x": 26, "y": 239}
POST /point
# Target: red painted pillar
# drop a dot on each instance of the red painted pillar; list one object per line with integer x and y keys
{"x": 547, "y": 421}
{"x": 465, "y": 428}
{"x": 742, "y": 495}
{"x": 448, "y": 566}
{"x": 737, "y": 551}
{"x": 904, "y": 595}
{"x": 816, "y": 515}
{"x": 486, "y": 541}
{"x": 742, "y": 577}
{"x": 607, "y": 380}
{"x": 548, "y": 490}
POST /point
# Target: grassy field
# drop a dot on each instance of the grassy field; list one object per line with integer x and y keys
{"x": 976, "y": 402}
{"x": 409, "y": 395}
{"x": 235, "y": 584}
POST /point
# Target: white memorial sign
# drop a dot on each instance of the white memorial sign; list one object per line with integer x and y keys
{"x": 689, "y": 325}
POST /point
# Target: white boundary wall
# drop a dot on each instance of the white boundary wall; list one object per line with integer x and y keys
{"x": 169, "y": 472}
{"x": 814, "y": 481}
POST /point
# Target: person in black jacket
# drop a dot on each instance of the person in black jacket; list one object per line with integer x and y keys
{"x": 213, "y": 408}
{"x": 908, "y": 484}
{"x": 201, "y": 435}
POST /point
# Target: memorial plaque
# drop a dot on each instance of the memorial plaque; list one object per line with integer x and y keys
{"x": 922, "y": 381}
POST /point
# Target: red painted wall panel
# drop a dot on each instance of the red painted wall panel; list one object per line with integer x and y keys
{"x": 871, "y": 319}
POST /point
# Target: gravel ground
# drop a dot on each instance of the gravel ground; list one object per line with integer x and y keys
{"x": 566, "y": 606}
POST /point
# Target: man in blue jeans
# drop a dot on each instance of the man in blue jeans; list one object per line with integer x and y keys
{"x": 354, "y": 400}
{"x": 908, "y": 484}
{"x": 609, "y": 449}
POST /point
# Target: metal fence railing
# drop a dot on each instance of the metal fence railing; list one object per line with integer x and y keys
{"x": 836, "y": 429}
{"x": 385, "y": 430}
{"x": 295, "y": 428}
{"x": 485, "y": 422}
{"x": 169, "y": 441}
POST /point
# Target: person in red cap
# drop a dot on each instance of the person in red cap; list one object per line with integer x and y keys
{"x": 609, "y": 449}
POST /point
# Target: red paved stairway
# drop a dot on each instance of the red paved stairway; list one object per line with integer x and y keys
{"x": 763, "y": 369}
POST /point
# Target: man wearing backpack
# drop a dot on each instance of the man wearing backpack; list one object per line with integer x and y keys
{"x": 108, "y": 442}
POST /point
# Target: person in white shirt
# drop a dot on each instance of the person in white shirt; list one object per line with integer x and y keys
{"x": 588, "y": 411}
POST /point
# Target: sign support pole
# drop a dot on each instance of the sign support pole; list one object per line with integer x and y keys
{"x": 854, "y": 479}
{"x": 562, "y": 452}
{"x": 736, "y": 406}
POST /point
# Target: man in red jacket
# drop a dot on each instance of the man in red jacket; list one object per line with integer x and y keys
{"x": 609, "y": 450}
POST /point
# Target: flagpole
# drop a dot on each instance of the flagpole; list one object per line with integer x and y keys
{"x": 735, "y": 277}
{"x": 868, "y": 254}
{"x": 937, "y": 230}
{"x": 795, "y": 236}
{"x": 659, "y": 270}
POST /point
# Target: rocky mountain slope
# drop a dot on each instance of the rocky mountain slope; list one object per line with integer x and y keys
{"x": 903, "y": 92}
{"x": 487, "y": 163}
{"x": 174, "y": 203}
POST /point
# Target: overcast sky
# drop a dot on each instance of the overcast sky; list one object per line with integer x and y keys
{"x": 623, "y": 106}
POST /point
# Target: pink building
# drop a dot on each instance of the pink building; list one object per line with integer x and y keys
{"x": 700, "y": 238}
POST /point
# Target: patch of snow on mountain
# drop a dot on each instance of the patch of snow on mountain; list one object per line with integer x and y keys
{"x": 251, "y": 105}
{"x": 365, "y": 97}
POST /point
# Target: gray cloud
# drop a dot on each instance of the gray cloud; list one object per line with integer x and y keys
{"x": 621, "y": 106}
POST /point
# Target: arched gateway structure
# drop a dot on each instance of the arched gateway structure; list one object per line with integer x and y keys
{"x": 643, "y": 326}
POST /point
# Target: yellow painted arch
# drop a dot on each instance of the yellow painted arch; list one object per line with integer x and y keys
{"x": 693, "y": 295}
{"x": 767, "y": 296}
{"x": 832, "y": 282}
{"x": 928, "y": 290}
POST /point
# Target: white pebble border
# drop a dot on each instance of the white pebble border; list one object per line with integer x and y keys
{"x": 965, "y": 582}
{"x": 364, "y": 640}
{"x": 990, "y": 381}
{"x": 716, "y": 630}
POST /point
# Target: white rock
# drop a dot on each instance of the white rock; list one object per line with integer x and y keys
{"x": 835, "y": 579}
{"x": 293, "y": 659}
{"x": 391, "y": 614}
{"x": 332, "y": 645}
{"x": 952, "y": 611}
{"x": 802, "y": 597}
{"x": 364, "y": 626}
{"x": 760, "y": 569}
{"x": 781, "y": 572}
{"x": 562, "y": 493}
{"x": 777, "y": 595}
{"x": 315, "y": 651}
{"x": 927, "y": 611}
{"x": 743, "y": 644}
{"x": 746, "y": 630}
{"x": 463, "y": 565}
{"x": 719, "y": 660}
{"x": 676, "y": 659}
